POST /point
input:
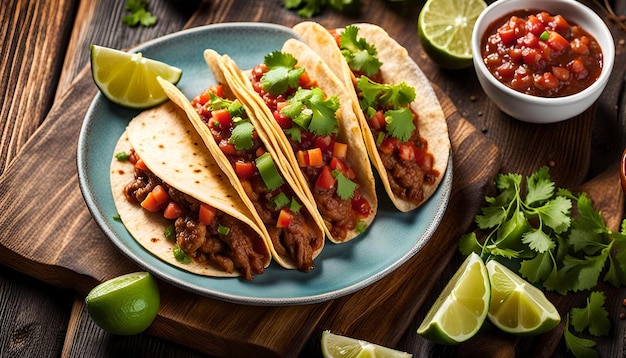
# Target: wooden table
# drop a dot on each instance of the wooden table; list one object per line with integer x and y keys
{"x": 44, "y": 70}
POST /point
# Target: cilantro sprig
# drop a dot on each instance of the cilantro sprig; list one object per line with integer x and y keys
{"x": 139, "y": 14}
{"x": 360, "y": 55}
{"x": 310, "y": 8}
{"x": 394, "y": 100}
{"x": 312, "y": 112}
{"x": 552, "y": 247}
{"x": 594, "y": 318}
{"x": 282, "y": 72}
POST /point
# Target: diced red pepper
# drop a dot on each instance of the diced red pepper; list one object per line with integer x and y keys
{"x": 283, "y": 121}
{"x": 221, "y": 116}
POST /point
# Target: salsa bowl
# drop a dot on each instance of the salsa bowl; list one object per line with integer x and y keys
{"x": 539, "y": 108}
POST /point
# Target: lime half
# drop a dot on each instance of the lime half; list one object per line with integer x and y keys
{"x": 461, "y": 308}
{"x": 129, "y": 79}
{"x": 337, "y": 346}
{"x": 124, "y": 305}
{"x": 517, "y": 306}
{"x": 445, "y": 29}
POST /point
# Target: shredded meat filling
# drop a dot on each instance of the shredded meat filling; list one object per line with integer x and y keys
{"x": 231, "y": 251}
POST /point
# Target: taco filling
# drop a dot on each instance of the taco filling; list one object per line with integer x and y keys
{"x": 308, "y": 119}
{"x": 403, "y": 151}
{"x": 200, "y": 232}
{"x": 275, "y": 201}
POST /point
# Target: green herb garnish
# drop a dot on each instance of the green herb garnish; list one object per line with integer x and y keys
{"x": 309, "y": 110}
{"x": 170, "y": 233}
{"x": 400, "y": 123}
{"x": 282, "y": 73}
{"x": 310, "y": 8}
{"x": 241, "y": 136}
{"x": 360, "y": 55}
{"x": 122, "y": 156}
{"x": 593, "y": 317}
{"x": 544, "y": 36}
{"x": 139, "y": 14}
{"x": 345, "y": 186}
{"x": 223, "y": 230}
{"x": 180, "y": 255}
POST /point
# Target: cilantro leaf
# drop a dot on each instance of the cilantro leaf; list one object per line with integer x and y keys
{"x": 309, "y": 110}
{"x": 539, "y": 268}
{"x": 538, "y": 241}
{"x": 139, "y": 14}
{"x": 282, "y": 73}
{"x": 469, "y": 243}
{"x": 310, "y": 8}
{"x": 540, "y": 187}
{"x": 241, "y": 135}
{"x": 400, "y": 123}
{"x": 594, "y": 316}
{"x": 345, "y": 186}
{"x": 385, "y": 96}
{"x": 556, "y": 214}
{"x": 360, "y": 55}
{"x": 580, "y": 347}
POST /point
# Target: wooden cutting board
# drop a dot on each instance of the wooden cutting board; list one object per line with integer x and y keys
{"x": 49, "y": 234}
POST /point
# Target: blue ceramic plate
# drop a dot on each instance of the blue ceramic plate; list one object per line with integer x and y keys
{"x": 392, "y": 239}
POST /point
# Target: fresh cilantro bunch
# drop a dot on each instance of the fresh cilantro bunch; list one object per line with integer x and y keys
{"x": 139, "y": 14}
{"x": 360, "y": 55}
{"x": 595, "y": 318}
{"x": 538, "y": 232}
{"x": 395, "y": 99}
{"x": 311, "y": 111}
{"x": 310, "y": 8}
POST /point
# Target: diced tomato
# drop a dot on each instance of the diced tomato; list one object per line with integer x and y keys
{"x": 530, "y": 56}
{"x": 160, "y": 194}
{"x": 316, "y": 158}
{"x": 244, "y": 170}
{"x": 150, "y": 203}
{"x": 217, "y": 90}
{"x": 406, "y": 152}
{"x": 577, "y": 67}
{"x": 139, "y": 164}
{"x": 559, "y": 23}
{"x": 426, "y": 162}
{"x": 325, "y": 180}
{"x": 389, "y": 145}
{"x": 534, "y": 25}
{"x": 221, "y": 116}
{"x": 227, "y": 147}
{"x": 506, "y": 71}
{"x": 516, "y": 55}
{"x": 377, "y": 121}
{"x": 546, "y": 80}
{"x": 340, "y": 150}
{"x": 338, "y": 164}
{"x": 283, "y": 121}
{"x": 284, "y": 218}
{"x": 306, "y": 81}
{"x": 556, "y": 41}
{"x": 529, "y": 40}
{"x": 562, "y": 74}
{"x": 259, "y": 151}
{"x": 206, "y": 214}
{"x": 172, "y": 211}
{"x": 360, "y": 205}
{"x": 579, "y": 47}
{"x": 202, "y": 98}
{"x": 325, "y": 143}
{"x": 507, "y": 35}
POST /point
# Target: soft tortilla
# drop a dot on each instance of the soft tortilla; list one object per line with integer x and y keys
{"x": 224, "y": 165}
{"x": 173, "y": 151}
{"x": 349, "y": 130}
{"x": 397, "y": 67}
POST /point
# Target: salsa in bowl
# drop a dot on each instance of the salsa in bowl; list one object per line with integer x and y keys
{"x": 542, "y": 61}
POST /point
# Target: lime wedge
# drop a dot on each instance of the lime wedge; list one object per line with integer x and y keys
{"x": 517, "y": 306}
{"x": 124, "y": 305}
{"x": 129, "y": 79}
{"x": 461, "y": 308}
{"x": 444, "y": 28}
{"x": 337, "y": 346}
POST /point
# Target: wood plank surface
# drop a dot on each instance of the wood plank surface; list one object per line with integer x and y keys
{"x": 590, "y": 144}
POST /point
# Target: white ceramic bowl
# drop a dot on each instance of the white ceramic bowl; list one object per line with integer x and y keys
{"x": 536, "y": 109}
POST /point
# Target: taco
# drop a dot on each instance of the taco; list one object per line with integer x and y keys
{"x": 403, "y": 124}
{"x": 246, "y": 155}
{"x": 172, "y": 198}
{"x": 307, "y": 109}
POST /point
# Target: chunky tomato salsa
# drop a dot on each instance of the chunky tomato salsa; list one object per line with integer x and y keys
{"x": 541, "y": 54}
{"x": 273, "y": 198}
{"x": 308, "y": 119}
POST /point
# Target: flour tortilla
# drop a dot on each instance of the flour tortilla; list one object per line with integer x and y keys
{"x": 349, "y": 130}
{"x": 170, "y": 147}
{"x": 397, "y": 67}
{"x": 226, "y": 168}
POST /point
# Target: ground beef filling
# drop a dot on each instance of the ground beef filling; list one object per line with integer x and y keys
{"x": 233, "y": 251}
{"x": 298, "y": 240}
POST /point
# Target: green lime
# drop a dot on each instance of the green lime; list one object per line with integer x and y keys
{"x": 461, "y": 308}
{"x": 337, "y": 346}
{"x": 129, "y": 79}
{"x": 444, "y": 28}
{"x": 124, "y": 305}
{"x": 517, "y": 306}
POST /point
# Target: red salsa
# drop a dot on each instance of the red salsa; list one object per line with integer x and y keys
{"x": 541, "y": 54}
